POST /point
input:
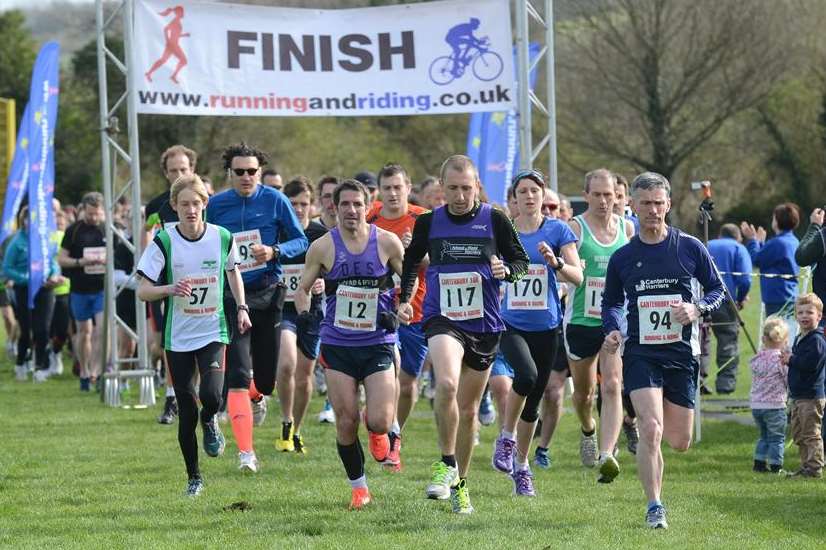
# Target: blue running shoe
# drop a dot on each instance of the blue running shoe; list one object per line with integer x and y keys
{"x": 214, "y": 442}
{"x": 542, "y": 459}
{"x": 487, "y": 414}
{"x": 655, "y": 517}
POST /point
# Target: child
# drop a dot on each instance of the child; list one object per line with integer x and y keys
{"x": 768, "y": 396}
{"x": 807, "y": 364}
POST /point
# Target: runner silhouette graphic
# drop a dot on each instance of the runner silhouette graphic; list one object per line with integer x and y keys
{"x": 173, "y": 33}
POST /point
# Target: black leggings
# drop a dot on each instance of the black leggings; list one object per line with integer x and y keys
{"x": 208, "y": 362}
{"x": 531, "y": 355}
{"x": 33, "y": 322}
{"x": 59, "y": 329}
{"x": 254, "y": 354}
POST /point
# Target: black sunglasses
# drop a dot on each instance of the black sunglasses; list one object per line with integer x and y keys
{"x": 534, "y": 175}
{"x": 240, "y": 171}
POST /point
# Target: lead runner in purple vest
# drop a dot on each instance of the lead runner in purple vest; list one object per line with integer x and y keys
{"x": 357, "y": 261}
{"x": 465, "y": 241}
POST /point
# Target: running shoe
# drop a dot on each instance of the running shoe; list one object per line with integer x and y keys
{"x": 55, "y": 363}
{"x": 259, "y": 411}
{"x": 222, "y": 417}
{"x": 542, "y": 459}
{"x": 442, "y": 477}
{"x": 502, "y": 459}
{"x": 298, "y": 444}
{"x": 327, "y": 415}
{"x": 40, "y": 375}
{"x": 84, "y": 384}
{"x": 655, "y": 517}
{"x": 360, "y": 498}
{"x": 393, "y": 462}
{"x": 320, "y": 380}
{"x": 170, "y": 411}
{"x": 608, "y": 469}
{"x": 285, "y": 443}
{"x": 460, "y": 499}
{"x": 487, "y": 413}
{"x": 21, "y": 372}
{"x": 214, "y": 441}
{"x": 588, "y": 449}
{"x": 194, "y": 487}
{"x": 11, "y": 349}
{"x": 377, "y": 444}
{"x": 632, "y": 436}
{"x": 523, "y": 483}
{"x": 247, "y": 462}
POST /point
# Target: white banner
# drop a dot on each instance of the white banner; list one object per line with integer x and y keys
{"x": 242, "y": 60}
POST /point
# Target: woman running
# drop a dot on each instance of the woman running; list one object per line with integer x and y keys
{"x": 532, "y": 316}
{"x": 188, "y": 266}
{"x": 172, "y": 33}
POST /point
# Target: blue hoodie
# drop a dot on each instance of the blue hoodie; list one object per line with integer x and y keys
{"x": 776, "y": 256}
{"x": 16, "y": 261}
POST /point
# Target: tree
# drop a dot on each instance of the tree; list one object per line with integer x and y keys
{"x": 17, "y": 54}
{"x": 649, "y": 82}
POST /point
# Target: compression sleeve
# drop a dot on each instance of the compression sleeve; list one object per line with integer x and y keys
{"x": 413, "y": 255}
{"x": 510, "y": 247}
{"x": 613, "y": 297}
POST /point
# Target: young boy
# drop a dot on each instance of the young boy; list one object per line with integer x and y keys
{"x": 807, "y": 365}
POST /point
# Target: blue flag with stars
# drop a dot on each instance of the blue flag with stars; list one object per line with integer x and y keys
{"x": 18, "y": 178}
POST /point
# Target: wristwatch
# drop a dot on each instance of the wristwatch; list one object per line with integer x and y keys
{"x": 276, "y": 252}
{"x": 244, "y": 307}
{"x": 560, "y": 263}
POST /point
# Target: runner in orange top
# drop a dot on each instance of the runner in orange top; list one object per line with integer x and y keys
{"x": 395, "y": 214}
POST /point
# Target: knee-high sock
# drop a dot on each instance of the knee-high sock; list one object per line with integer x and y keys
{"x": 352, "y": 456}
{"x": 240, "y": 415}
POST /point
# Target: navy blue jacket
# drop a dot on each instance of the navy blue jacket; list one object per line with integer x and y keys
{"x": 732, "y": 257}
{"x": 807, "y": 366}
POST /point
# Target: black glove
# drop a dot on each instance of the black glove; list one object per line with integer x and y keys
{"x": 388, "y": 321}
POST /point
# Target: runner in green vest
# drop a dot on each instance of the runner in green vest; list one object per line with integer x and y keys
{"x": 600, "y": 233}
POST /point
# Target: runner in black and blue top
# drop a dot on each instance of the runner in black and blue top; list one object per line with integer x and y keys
{"x": 255, "y": 215}
{"x": 472, "y": 248}
{"x": 533, "y": 315}
{"x": 658, "y": 275}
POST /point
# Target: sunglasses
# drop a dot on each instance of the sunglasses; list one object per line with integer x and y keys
{"x": 550, "y": 207}
{"x": 241, "y": 171}
{"x": 534, "y": 175}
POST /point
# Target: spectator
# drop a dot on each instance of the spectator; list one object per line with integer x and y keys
{"x": 730, "y": 257}
{"x": 769, "y": 389}
{"x": 776, "y": 257}
{"x": 812, "y": 251}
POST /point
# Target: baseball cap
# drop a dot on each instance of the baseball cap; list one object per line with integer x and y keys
{"x": 367, "y": 178}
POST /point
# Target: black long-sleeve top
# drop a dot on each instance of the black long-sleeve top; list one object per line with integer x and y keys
{"x": 510, "y": 248}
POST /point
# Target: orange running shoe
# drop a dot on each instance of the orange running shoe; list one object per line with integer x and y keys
{"x": 360, "y": 499}
{"x": 393, "y": 462}
{"x": 377, "y": 444}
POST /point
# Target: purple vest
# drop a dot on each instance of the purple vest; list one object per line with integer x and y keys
{"x": 460, "y": 285}
{"x": 358, "y": 288}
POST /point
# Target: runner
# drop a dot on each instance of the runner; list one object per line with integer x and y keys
{"x": 657, "y": 274}
{"x": 199, "y": 257}
{"x": 176, "y": 161}
{"x": 532, "y": 316}
{"x": 299, "y": 349}
{"x": 398, "y": 216}
{"x": 600, "y": 232}
{"x": 326, "y": 185}
{"x": 358, "y": 330}
{"x": 256, "y": 215}
{"x": 83, "y": 259}
{"x": 465, "y": 240}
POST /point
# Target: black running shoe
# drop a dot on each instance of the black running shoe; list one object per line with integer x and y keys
{"x": 170, "y": 411}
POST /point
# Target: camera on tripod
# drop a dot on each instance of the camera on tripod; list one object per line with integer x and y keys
{"x": 700, "y": 185}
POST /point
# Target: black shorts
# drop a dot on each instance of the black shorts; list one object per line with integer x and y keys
{"x": 357, "y": 362}
{"x": 582, "y": 342}
{"x": 480, "y": 347}
{"x": 678, "y": 379}
{"x": 561, "y": 363}
{"x": 4, "y": 297}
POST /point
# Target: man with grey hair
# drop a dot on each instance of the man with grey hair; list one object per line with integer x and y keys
{"x": 656, "y": 274}
{"x": 734, "y": 263}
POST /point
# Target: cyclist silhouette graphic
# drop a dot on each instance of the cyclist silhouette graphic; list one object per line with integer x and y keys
{"x": 173, "y": 33}
{"x": 468, "y": 50}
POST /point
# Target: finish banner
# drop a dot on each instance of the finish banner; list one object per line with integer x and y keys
{"x": 241, "y": 60}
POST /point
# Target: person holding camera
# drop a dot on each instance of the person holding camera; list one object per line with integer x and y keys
{"x": 812, "y": 251}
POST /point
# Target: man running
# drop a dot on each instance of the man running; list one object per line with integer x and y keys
{"x": 398, "y": 216}
{"x": 326, "y": 186}
{"x": 656, "y": 274}
{"x": 599, "y": 232}
{"x": 358, "y": 331}
{"x": 464, "y": 240}
{"x": 255, "y": 215}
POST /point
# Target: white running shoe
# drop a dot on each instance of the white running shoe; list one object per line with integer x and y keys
{"x": 588, "y": 450}
{"x": 11, "y": 350}
{"x": 21, "y": 372}
{"x": 55, "y": 363}
{"x": 327, "y": 415}
{"x": 259, "y": 411}
{"x": 247, "y": 462}
{"x": 40, "y": 375}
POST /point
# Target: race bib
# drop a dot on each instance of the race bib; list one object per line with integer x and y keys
{"x": 292, "y": 276}
{"x": 356, "y": 308}
{"x": 593, "y": 297}
{"x": 460, "y": 295}
{"x": 531, "y": 291}
{"x": 244, "y": 241}
{"x": 94, "y": 253}
{"x": 656, "y": 324}
{"x": 204, "y": 297}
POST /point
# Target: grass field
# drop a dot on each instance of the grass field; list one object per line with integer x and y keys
{"x": 77, "y": 474}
